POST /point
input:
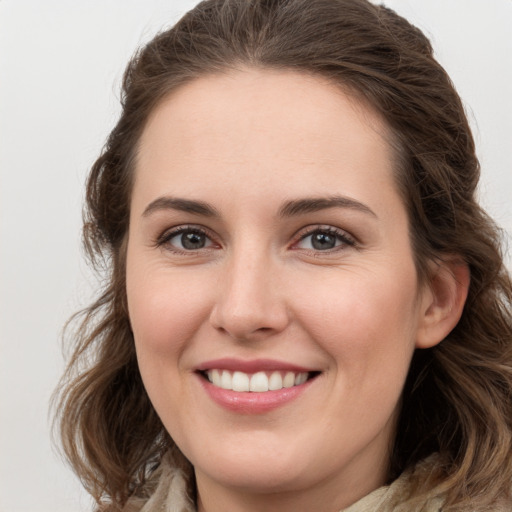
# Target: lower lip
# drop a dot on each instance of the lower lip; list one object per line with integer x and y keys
{"x": 253, "y": 402}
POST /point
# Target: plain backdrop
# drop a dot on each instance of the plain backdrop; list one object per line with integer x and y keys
{"x": 61, "y": 63}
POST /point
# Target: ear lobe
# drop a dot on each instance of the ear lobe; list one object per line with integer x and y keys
{"x": 443, "y": 301}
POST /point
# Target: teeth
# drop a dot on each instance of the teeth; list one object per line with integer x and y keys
{"x": 240, "y": 381}
{"x": 257, "y": 382}
{"x": 300, "y": 378}
{"x": 289, "y": 380}
{"x": 275, "y": 382}
{"x": 226, "y": 381}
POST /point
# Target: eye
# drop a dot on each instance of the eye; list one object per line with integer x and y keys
{"x": 186, "y": 239}
{"x": 324, "y": 239}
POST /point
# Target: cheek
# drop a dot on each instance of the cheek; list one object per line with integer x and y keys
{"x": 366, "y": 321}
{"x": 165, "y": 309}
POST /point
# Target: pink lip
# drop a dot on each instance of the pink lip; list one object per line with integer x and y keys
{"x": 252, "y": 403}
{"x": 253, "y": 366}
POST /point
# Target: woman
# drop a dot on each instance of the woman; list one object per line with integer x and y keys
{"x": 306, "y": 309}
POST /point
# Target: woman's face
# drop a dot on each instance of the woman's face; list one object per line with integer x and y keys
{"x": 269, "y": 248}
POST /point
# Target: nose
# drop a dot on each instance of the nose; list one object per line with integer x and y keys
{"x": 250, "y": 303}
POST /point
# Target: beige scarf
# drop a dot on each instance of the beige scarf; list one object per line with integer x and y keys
{"x": 171, "y": 494}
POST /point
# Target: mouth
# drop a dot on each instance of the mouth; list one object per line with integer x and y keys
{"x": 254, "y": 386}
{"x": 256, "y": 382}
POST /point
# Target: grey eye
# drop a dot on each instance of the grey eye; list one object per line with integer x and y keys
{"x": 322, "y": 241}
{"x": 193, "y": 241}
{"x": 188, "y": 240}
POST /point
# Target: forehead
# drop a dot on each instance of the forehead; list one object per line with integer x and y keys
{"x": 264, "y": 128}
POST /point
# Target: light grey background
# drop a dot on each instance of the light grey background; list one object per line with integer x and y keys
{"x": 60, "y": 69}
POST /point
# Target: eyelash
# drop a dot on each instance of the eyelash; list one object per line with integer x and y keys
{"x": 340, "y": 236}
{"x": 167, "y": 236}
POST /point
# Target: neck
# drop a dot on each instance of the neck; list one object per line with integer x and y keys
{"x": 332, "y": 495}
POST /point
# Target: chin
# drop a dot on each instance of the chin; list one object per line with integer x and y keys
{"x": 259, "y": 468}
{"x": 257, "y": 478}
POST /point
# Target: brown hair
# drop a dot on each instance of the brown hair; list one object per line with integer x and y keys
{"x": 456, "y": 399}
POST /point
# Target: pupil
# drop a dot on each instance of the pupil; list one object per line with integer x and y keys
{"x": 323, "y": 241}
{"x": 192, "y": 240}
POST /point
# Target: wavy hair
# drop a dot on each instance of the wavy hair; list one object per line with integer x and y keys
{"x": 457, "y": 397}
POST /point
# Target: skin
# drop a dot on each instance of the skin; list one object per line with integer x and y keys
{"x": 246, "y": 142}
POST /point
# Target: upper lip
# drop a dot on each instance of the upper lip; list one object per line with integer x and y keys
{"x": 252, "y": 366}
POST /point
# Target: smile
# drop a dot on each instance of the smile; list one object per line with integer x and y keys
{"x": 258, "y": 382}
{"x": 256, "y": 386}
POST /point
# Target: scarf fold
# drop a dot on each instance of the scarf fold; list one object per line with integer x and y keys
{"x": 393, "y": 497}
{"x": 171, "y": 495}
{"x": 171, "y": 492}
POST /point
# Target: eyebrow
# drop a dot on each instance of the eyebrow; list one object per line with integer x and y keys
{"x": 315, "y": 204}
{"x": 184, "y": 205}
{"x": 289, "y": 209}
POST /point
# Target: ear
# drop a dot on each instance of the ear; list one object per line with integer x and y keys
{"x": 443, "y": 301}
